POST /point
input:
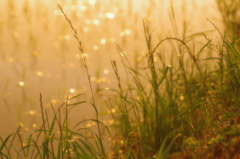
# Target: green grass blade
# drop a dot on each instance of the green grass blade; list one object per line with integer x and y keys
{"x": 89, "y": 149}
{"x": 164, "y": 76}
{"x": 59, "y": 150}
{"x": 163, "y": 152}
{"x": 38, "y": 150}
{"x": 164, "y": 156}
{"x": 76, "y": 96}
{"x": 74, "y": 104}
{"x": 203, "y": 47}
{"x": 5, "y": 142}
{"x": 4, "y": 155}
{"x": 28, "y": 143}
{"x": 84, "y": 154}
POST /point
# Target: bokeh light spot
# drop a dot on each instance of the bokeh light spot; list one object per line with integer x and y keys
{"x": 72, "y": 90}
{"x": 106, "y": 71}
{"x": 40, "y": 74}
{"x": 110, "y": 15}
{"x": 21, "y": 83}
{"x": 92, "y": 2}
{"x": 95, "y": 47}
{"x": 103, "y": 41}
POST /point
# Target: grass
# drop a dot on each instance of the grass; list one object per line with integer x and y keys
{"x": 55, "y": 139}
{"x": 181, "y": 100}
{"x": 180, "y": 104}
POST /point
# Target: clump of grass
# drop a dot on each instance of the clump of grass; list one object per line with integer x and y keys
{"x": 55, "y": 138}
{"x": 162, "y": 107}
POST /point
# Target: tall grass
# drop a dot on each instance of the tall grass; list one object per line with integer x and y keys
{"x": 180, "y": 100}
{"x": 55, "y": 138}
{"x": 88, "y": 76}
{"x": 180, "y": 107}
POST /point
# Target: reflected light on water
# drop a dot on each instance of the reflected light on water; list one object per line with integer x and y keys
{"x": 82, "y": 8}
{"x": 110, "y": 15}
{"x": 32, "y": 112}
{"x": 21, "y": 83}
{"x": 95, "y": 47}
{"x": 40, "y": 74}
{"x": 96, "y": 22}
{"x": 106, "y": 71}
{"x": 103, "y": 41}
{"x": 72, "y": 90}
{"x": 92, "y": 2}
{"x": 85, "y": 29}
